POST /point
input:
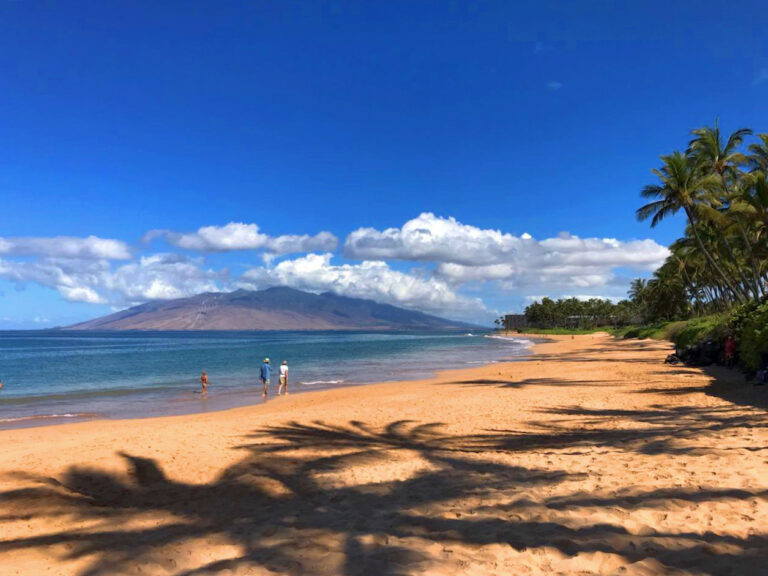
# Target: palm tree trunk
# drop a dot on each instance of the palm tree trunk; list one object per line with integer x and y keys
{"x": 708, "y": 256}
{"x": 686, "y": 279}
{"x": 759, "y": 290}
{"x": 733, "y": 258}
{"x": 741, "y": 277}
{"x": 691, "y": 287}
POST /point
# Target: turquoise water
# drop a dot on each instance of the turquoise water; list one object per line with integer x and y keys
{"x": 56, "y": 376}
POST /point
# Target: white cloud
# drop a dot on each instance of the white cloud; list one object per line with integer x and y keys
{"x": 73, "y": 278}
{"x": 66, "y": 247}
{"x": 761, "y": 76}
{"x": 460, "y": 274}
{"x": 157, "y": 277}
{"x": 554, "y": 85}
{"x": 432, "y": 238}
{"x": 466, "y": 253}
{"x": 575, "y": 251}
{"x": 552, "y": 280}
{"x": 241, "y": 236}
{"x": 81, "y": 294}
{"x": 164, "y": 277}
{"x": 370, "y": 279}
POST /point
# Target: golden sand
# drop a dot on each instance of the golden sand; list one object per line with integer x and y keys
{"x": 593, "y": 457}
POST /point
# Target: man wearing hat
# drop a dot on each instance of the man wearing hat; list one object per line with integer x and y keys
{"x": 264, "y": 376}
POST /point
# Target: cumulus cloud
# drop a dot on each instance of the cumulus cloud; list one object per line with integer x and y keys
{"x": 431, "y": 238}
{"x": 241, "y": 236}
{"x": 369, "y": 279}
{"x": 164, "y": 277}
{"x": 66, "y": 247}
{"x": 567, "y": 249}
{"x": 460, "y": 274}
{"x": 74, "y": 279}
{"x": 157, "y": 277}
{"x": 465, "y": 253}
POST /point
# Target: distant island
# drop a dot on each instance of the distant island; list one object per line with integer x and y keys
{"x": 278, "y": 308}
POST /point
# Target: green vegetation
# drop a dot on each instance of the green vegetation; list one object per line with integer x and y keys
{"x": 566, "y": 331}
{"x": 722, "y": 260}
{"x": 747, "y": 324}
{"x": 750, "y": 325}
{"x": 697, "y": 330}
{"x": 717, "y": 274}
{"x": 714, "y": 284}
{"x": 573, "y": 314}
{"x": 658, "y": 331}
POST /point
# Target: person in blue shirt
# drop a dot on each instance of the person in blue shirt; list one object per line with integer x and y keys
{"x": 264, "y": 376}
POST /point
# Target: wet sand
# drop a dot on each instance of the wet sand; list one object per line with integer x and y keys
{"x": 593, "y": 457}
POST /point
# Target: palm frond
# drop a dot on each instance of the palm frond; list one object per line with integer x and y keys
{"x": 649, "y": 210}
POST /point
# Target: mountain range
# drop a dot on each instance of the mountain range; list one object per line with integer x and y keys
{"x": 278, "y": 308}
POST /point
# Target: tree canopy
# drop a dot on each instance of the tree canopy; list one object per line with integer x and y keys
{"x": 719, "y": 183}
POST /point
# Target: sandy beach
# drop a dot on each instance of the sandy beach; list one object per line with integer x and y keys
{"x": 592, "y": 457}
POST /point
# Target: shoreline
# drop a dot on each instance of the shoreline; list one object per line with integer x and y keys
{"x": 190, "y": 402}
{"x": 591, "y": 457}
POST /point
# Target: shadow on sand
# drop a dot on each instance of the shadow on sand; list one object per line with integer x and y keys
{"x": 287, "y": 509}
{"x": 556, "y": 382}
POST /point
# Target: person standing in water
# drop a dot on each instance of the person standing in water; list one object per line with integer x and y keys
{"x": 264, "y": 375}
{"x": 204, "y": 383}
{"x": 283, "y": 378}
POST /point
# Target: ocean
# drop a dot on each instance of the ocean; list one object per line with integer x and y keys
{"x": 59, "y": 376}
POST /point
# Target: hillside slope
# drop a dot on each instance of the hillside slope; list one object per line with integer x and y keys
{"x": 277, "y": 308}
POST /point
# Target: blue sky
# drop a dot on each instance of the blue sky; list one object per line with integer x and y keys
{"x": 459, "y": 126}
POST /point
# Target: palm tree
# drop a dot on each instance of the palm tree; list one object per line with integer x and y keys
{"x": 712, "y": 156}
{"x": 665, "y": 295}
{"x": 636, "y": 289}
{"x": 750, "y": 210}
{"x": 638, "y": 295}
{"x": 684, "y": 187}
{"x": 758, "y": 202}
{"x": 744, "y": 220}
{"x": 709, "y": 153}
{"x": 759, "y": 154}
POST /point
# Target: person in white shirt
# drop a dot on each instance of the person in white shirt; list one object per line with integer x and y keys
{"x": 283, "y": 378}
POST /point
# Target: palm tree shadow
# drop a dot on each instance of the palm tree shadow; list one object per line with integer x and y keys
{"x": 336, "y": 499}
{"x": 518, "y": 384}
{"x": 276, "y": 505}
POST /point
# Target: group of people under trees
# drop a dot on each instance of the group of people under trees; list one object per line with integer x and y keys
{"x": 265, "y": 375}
